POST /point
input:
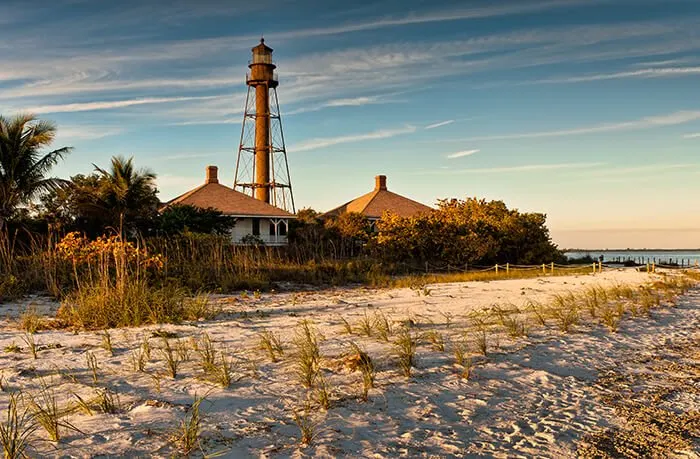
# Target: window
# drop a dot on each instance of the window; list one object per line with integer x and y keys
{"x": 283, "y": 228}
{"x": 256, "y": 227}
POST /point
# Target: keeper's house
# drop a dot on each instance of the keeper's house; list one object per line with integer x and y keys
{"x": 256, "y": 221}
{"x": 373, "y": 204}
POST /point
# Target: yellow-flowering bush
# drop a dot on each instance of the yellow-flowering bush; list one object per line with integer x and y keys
{"x": 459, "y": 232}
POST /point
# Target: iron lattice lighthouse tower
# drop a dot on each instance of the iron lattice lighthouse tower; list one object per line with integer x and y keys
{"x": 262, "y": 170}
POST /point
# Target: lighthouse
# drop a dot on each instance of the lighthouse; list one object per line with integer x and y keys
{"x": 262, "y": 170}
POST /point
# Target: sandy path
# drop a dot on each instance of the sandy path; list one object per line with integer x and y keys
{"x": 535, "y": 396}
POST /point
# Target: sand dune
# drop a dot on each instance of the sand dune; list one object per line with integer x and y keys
{"x": 547, "y": 395}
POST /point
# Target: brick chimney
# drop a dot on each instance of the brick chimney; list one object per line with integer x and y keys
{"x": 380, "y": 182}
{"x": 212, "y": 174}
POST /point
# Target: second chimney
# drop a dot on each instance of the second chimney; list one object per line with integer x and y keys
{"x": 212, "y": 174}
{"x": 380, "y": 182}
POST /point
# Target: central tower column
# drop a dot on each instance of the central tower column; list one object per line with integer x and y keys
{"x": 262, "y": 77}
{"x": 262, "y": 143}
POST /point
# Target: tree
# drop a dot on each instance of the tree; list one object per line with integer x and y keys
{"x": 121, "y": 198}
{"x": 179, "y": 219}
{"x": 351, "y": 230}
{"x": 127, "y": 194}
{"x": 23, "y": 165}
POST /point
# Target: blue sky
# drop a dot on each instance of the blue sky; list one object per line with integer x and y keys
{"x": 587, "y": 110}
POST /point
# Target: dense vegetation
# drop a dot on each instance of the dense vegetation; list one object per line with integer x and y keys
{"x": 99, "y": 239}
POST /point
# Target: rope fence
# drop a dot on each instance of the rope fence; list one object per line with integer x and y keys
{"x": 547, "y": 268}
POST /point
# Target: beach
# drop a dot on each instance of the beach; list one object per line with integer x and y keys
{"x": 544, "y": 392}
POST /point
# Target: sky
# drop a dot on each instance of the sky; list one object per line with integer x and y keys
{"x": 586, "y": 110}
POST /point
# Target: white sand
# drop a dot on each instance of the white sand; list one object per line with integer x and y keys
{"x": 534, "y": 396}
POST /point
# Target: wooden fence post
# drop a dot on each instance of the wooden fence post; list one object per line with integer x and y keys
{"x": 544, "y": 270}
{"x": 594, "y": 267}
{"x": 507, "y": 268}
{"x": 496, "y": 267}
{"x": 552, "y": 267}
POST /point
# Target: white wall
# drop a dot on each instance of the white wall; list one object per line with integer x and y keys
{"x": 244, "y": 227}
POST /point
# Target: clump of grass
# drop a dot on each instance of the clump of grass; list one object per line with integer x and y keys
{"x": 182, "y": 349}
{"x": 29, "y": 339}
{"x": 3, "y": 383}
{"x": 459, "y": 351}
{"x": 16, "y": 430}
{"x": 405, "y": 350}
{"x": 83, "y": 405}
{"x": 146, "y": 348}
{"x": 323, "y": 392}
{"x": 138, "y": 359}
{"x": 539, "y": 310}
{"x": 513, "y": 326}
{"x": 593, "y": 299}
{"x": 481, "y": 338}
{"x": 223, "y": 372}
{"x": 124, "y": 300}
{"x": 107, "y": 401}
{"x": 171, "y": 358}
{"x": 308, "y": 355}
{"x": 270, "y": 343}
{"x": 187, "y": 437}
{"x": 156, "y": 378}
{"x": 435, "y": 339}
{"x": 13, "y": 348}
{"x": 365, "y": 325}
{"x": 364, "y": 363}
{"x": 47, "y": 414}
{"x": 92, "y": 365}
{"x": 611, "y": 316}
{"x": 107, "y": 342}
{"x": 307, "y": 426}
{"x": 199, "y": 307}
{"x": 30, "y": 320}
{"x": 346, "y": 325}
{"x": 565, "y": 312}
{"x": 207, "y": 353}
{"x": 648, "y": 300}
{"x": 383, "y": 326}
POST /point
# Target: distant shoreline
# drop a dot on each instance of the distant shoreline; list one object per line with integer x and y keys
{"x": 631, "y": 250}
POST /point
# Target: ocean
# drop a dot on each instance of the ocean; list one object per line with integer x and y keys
{"x": 671, "y": 257}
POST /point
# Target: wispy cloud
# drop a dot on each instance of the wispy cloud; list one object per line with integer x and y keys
{"x": 460, "y": 154}
{"x": 352, "y": 102}
{"x": 107, "y": 105}
{"x": 512, "y": 169}
{"x": 314, "y": 144}
{"x": 181, "y": 156}
{"x": 692, "y": 136}
{"x": 626, "y": 171}
{"x": 206, "y": 122}
{"x": 70, "y": 133}
{"x": 671, "y": 119}
{"x": 642, "y": 73}
{"x": 440, "y": 124}
{"x": 458, "y": 14}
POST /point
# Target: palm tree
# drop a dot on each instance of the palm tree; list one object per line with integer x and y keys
{"x": 126, "y": 192}
{"x": 23, "y": 166}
